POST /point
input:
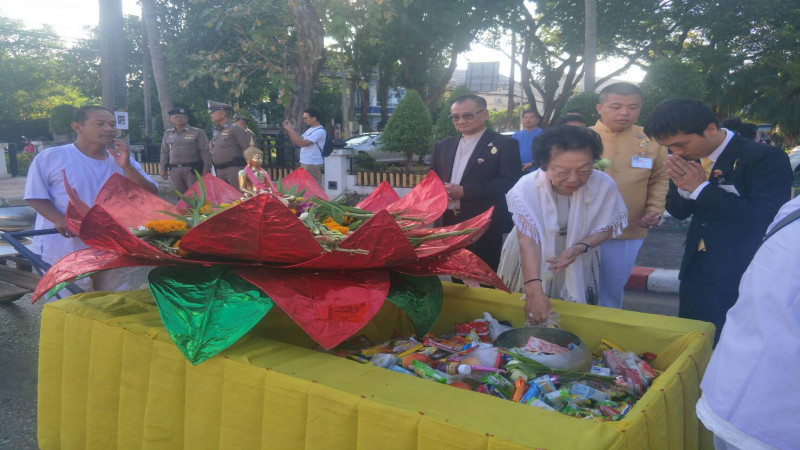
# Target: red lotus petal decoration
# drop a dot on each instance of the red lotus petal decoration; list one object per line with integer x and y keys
{"x": 217, "y": 192}
{"x": 330, "y": 305}
{"x": 433, "y": 247}
{"x": 86, "y": 261}
{"x": 427, "y": 201}
{"x": 383, "y": 196}
{"x": 380, "y": 236}
{"x": 102, "y": 231}
{"x": 259, "y": 229}
{"x": 460, "y": 263}
{"x": 330, "y": 294}
{"x": 301, "y": 179}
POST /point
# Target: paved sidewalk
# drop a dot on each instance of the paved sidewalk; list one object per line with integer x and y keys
{"x": 658, "y": 260}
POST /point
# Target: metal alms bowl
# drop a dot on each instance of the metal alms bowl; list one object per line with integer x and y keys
{"x": 578, "y": 359}
{"x": 15, "y": 218}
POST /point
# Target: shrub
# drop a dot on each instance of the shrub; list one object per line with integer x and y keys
{"x": 410, "y": 130}
{"x": 444, "y": 126}
{"x": 61, "y": 119}
{"x": 364, "y": 161}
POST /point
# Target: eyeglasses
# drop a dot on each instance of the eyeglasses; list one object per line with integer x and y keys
{"x": 465, "y": 116}
{"x": 564, "y": 174}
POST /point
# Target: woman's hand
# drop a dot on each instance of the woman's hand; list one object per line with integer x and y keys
{"x": 566, "y": 258}
{"x": 537, "y": 305}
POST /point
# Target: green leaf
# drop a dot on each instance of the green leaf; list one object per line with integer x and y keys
{"x": 419, "y": 297}
{"x": 206, "y": 309}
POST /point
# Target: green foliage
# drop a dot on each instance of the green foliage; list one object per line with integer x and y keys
{"x": 409, "y": 130}
{"x": 33, "y": 75}
{"x": 444, "y": 126}
{"x": 23, "y": 162}
{"x": 61, "y": 119}
{"x": 364, "y": 161}
{"x": 586, "y": 103}
{"x": 668, "y": 78}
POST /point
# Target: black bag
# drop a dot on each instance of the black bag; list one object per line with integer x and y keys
{"x": 326, "y": 149}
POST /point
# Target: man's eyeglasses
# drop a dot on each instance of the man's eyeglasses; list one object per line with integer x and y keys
{"x": 465, "y": 116}
{"x": 564, "y": 174}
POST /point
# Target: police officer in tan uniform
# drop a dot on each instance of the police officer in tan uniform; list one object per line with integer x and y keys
{"x": 184, "y": 150}
{"x": 240, "y": 120}
{"x": 228, "y": 143}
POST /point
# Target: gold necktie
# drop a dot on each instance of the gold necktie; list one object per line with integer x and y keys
{"x": 707, "y": 164}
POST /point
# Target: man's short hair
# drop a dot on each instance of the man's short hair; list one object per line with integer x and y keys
{"x": 82, "y": 113}
{"x": 748, "y": 130}
{"x": 314, "y": 112}
{"x": 679, "y": 116}
{"x": 621, "y": 88}
{"x": 565, "y": 138}
{"x": 532, "y": 111}
{"x": 480, "y": 101}
{"x": 732, "y": 123}
{"x": 571, "y": 118}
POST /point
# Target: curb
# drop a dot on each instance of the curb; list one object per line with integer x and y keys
{"x": 648, "y": 279}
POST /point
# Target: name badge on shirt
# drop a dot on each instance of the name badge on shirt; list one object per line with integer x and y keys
{"x": 640, "y": 162}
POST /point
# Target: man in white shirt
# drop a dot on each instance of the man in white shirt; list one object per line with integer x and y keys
{"x": 87, "y": 164}
{"x": 311, "y": 142}
{"x": 748, "y": 401}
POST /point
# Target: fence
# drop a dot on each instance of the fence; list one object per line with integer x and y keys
{"x": 395, "y": 179}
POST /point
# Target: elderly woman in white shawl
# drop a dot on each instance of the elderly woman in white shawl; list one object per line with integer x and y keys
{"x": 561, "y": 213}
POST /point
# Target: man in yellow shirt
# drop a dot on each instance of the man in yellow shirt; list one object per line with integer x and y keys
{"x": 637, "y": 165}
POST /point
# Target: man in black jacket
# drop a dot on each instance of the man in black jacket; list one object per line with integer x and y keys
{"x": 732, "y": 194}
{"x": 478, "y": 167}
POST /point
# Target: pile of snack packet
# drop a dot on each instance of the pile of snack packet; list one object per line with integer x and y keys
{"x": 466, "y": 359}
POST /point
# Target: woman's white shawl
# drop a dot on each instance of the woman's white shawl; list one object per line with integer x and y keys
{"x": 596, "y": 206}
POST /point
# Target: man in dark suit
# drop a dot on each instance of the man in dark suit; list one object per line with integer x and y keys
{"x": 732, "y": 194}
{"x": 478, "y": 167}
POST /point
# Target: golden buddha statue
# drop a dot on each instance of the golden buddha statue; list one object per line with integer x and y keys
{"x": 254, "y": 180}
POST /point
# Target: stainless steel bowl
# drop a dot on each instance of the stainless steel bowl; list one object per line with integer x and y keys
{"x": 577, "y": 359}
{"x": 15, "y": 218}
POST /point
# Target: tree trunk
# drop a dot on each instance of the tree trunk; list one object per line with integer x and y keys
{"x": 309, "y": 59}
{"x": 590, "y": 50}
{"x": 510, "y": 125}
{"x": 384, "y": 76}
{"x": 345, "y": 96}
{"x": 157, "y": 59}
{"x": 363, "y": 118}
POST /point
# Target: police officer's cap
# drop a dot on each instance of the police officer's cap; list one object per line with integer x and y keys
{"x": 217, "y": 106}
{"x": 176, "y": 111}
{"x": 238, "y": 117}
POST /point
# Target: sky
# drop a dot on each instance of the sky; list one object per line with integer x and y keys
{"x": 69, "y": 17}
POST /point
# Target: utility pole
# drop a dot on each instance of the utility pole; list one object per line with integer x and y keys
{"x": 112, "y": 62}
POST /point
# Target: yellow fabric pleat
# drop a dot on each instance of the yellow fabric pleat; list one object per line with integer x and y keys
{"x": 110, "y": 377}
{"x": 707, "y": 164}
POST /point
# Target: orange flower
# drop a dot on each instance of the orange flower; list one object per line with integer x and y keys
{"x": 335, "y": 226}
{"x": 165, "y": 226}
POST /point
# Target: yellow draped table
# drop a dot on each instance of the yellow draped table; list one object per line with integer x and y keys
{"x": 110, "y": 377}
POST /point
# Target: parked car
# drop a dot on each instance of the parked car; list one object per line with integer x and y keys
{"x": 794, "y": 158}
{"x": 369, "y": 143}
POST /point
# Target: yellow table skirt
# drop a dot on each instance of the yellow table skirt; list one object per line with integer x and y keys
{"x": 110, "y": 377}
